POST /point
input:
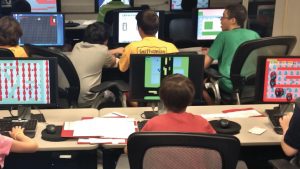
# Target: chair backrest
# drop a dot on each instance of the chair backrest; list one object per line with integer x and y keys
{"x": 6, "y": 53}
{"x": 245, "y": 59}
{"x": 68, "y": 71}
{"x": 180, "y": 30}
{"x": 173, "y": 150}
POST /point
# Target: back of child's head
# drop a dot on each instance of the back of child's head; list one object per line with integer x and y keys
{"x": 148, "y": 21}
{"x": 176, "y": 92}
{"x": 96, "y": 33}
{"x": 10, "y": 31}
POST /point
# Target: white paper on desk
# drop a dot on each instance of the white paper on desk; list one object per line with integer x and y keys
{"x": 115, "y": 114}
{"x": 105, "y": 127}
{"x": 235, "y": 114}
{"x": 101, "y": 141}
{"x": 88, "y": 22}
{"x": 70, "y": 125}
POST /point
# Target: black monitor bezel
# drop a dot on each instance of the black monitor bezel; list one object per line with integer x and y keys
{"x": 203, "y": 42}
{"x": 181, "y": 10}
{"x": 49, "y": 13}
{"x": 115, "y": 38}
{"x": 136, "y": 61}
{"x": 53, "y": 81}
{"x": 58, "y": 7}
{"x": 259, "y": 80}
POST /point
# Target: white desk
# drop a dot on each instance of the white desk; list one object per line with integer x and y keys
{"x": 58, "y": 117}
{"x": 269, "y": 137}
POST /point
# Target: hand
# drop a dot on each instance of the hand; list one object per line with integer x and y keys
{"x": 285, "y": 121}
{"x": 15, "y": 131}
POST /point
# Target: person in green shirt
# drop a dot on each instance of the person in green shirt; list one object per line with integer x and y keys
{"x": 227, "y": 42}
{"x": 114, "y": 4}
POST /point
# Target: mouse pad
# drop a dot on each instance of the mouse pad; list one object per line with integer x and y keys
{"x": 233, "y": 128}
{"x": 53, "y": 137}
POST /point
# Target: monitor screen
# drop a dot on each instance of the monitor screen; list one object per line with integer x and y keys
{"x": 147, "y": 72}
{"x": 41, "y": 29}
{"x": 28, "y": 81}
{"x": 208, "y": 23}
{"x": 104, "y": 2}
{"x": 175, "y": 5}
{"x": 44, "y": 5}
{"x": 278, "y": 79}
{"x": 126, "y": 28}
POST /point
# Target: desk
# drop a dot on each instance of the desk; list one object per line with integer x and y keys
{"x": 49, "y": 153}
{"x": 83, "y": 24}
{"x": 269, "y": 137}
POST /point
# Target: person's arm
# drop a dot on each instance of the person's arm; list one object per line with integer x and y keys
{"x": 116, "y": 51}
{"x": 207, "y": 61}
{"x": 125, "y": 59}
{"x": 22, "y": 143}
{"x": 284, "y": 123}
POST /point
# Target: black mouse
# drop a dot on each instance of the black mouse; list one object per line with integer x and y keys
{"x": 224, "y": 123}
{"x": 50, "y": 129}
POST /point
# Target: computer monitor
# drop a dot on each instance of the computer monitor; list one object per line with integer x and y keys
{"x": 27, "y": 82}
{"x": 208, "y": 23}
{"x": 278, "y": 80}
{"x": 125, "y": 27}
{"x": 147, "y": 72}
{"x": 175, "y": 5}
{"x": 41, "y": 29}
{"x": 45, "y": 6}
{"x": 104, "y": 2}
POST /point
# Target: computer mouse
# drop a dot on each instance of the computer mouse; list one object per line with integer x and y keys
{"x": 224, "y": 123}
{"x": 50, "y": 129}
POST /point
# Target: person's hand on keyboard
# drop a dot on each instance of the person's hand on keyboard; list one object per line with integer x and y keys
{"x": 16, "y": 131}
{"x": 285, "y": 121}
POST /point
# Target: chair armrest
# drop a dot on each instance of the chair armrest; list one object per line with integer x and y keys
{"x": 213, "y": 73}
{"x": 119, "y": 84}
{"x": 282, "y": 164}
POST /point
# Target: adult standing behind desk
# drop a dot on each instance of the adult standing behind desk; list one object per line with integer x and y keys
{"x": 227, "y": 42}
{"x": 114, "y": 4}
{"x": 89, "y": 57}
{"x": 148, "y": 25}
{"x": 10, "y": 32}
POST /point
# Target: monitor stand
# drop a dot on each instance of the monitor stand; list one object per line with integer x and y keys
{"x": 150, "y": 114}
{"x": 281, "y": 109}
{"x": 24, "y": 113}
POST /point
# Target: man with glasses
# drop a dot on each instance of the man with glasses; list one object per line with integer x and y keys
{"x": 227, "y": 42}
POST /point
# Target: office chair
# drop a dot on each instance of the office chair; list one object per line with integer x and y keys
{"x": 6, "y": 53}
{"x": 69, "y": 83}
{"x": 285, "y": 164}
{"x": 173, "y": 150}
{"x": 242, "y": 76}
{"x": 180, "y": 30}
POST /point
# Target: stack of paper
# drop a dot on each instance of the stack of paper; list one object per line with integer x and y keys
{"x": 112, "y": 129}
{"x": 234, "y": 113}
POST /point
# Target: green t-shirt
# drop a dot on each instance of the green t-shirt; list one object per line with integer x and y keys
{"x": 110, "y": 6}
{"x": 223, "y": 50}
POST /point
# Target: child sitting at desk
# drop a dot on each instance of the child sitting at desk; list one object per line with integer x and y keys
{"x": 19, "y": 143}
{"x": 176, "y": 93}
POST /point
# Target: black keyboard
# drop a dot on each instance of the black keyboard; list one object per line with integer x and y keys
{"x": 28, "y": 125}
{"x": 274, "y": 118}
{"x": 141, "y": 124}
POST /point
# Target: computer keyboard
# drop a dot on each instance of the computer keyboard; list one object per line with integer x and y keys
{"x": 141, "y": 124}
{"x": 274, "y": 118}
{"x": 28, "y": 125}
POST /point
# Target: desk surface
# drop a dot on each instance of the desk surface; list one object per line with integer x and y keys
{"x": 83, "y": 24}
{"x": 58, "y": 117}
{"x": 269, "y": 137}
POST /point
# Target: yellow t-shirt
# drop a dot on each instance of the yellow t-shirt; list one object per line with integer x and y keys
{"x": 18, "y": 51}
{"x": 149, "y": 45}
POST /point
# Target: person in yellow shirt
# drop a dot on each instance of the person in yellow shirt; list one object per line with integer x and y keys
{"x": 148, "y": 25}
{"x": 10, "y": 32}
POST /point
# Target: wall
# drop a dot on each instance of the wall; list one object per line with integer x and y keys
{"x": 286, "y": 21}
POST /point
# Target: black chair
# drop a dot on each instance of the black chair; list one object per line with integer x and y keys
{"x": 172, "y": 150}
{"x": 294, "y": 163}
{"x": 243, "y": 78}
{"x": 180, "y": 29}
{"x": 69, "y": 82}
{"x": 6, "y": 53}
